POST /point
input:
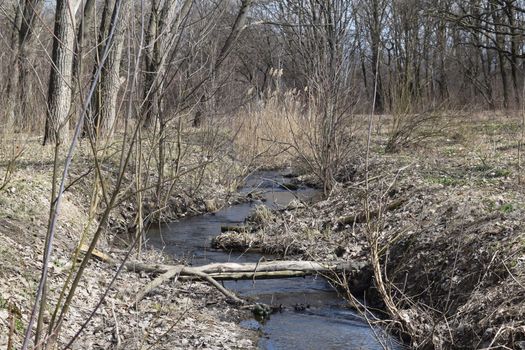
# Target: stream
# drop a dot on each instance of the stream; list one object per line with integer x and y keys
{"x": 315, "y": 316}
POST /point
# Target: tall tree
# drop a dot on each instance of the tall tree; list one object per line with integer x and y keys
{"x": 60, "y": 79}
{"x": 165, "y": 24}
{"x": 18, "y": 85}
{"x": 320, "y": 34}
{"x": 104, "y": 103}
{"x": 501, "y": 45}
{"x": 374, "y": 21}
{"x": 515, "y": 37}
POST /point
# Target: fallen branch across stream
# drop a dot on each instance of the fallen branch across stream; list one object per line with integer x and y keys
{"x": 227, "y": 271}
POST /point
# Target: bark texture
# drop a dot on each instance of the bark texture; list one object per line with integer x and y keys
{"x": 60, "y": 79}
{"x": 105, "y": 98}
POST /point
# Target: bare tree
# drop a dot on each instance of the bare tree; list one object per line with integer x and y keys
{"x": 104, "y": 104}
{"x": 320, "y": 33}
{"x": 60, "y": 79}
{"x": 374, "y": 17}
{"x": 18, "y": 85}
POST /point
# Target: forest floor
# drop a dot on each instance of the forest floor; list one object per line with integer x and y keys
{"x": 179, "y": 315}
{"x": 450, "y": 213}
{"x": 454, "y": 243}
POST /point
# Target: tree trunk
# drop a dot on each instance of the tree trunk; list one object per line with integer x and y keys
{"x": 60, "y": 80}
{"x": 152, "y": 69}
{"x": 18, "y": 85}
{"x": 375, "y": 41}
{"x": 13, "y": 78}
{"x": 514, "y": 48}
{"x": 86, "y": 22}
{"x": 441, "y": 53}
{"x": 500, "y": 43}
{"x": 106, "y": 95}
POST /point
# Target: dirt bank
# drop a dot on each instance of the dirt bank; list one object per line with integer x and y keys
{"x": 177, "y": 315}
{"x": 453, "y": 245}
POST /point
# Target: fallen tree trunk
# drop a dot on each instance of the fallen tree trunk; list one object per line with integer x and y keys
{"x": 234, "y": 271}
{"x": 278, "y": 268}
{"x": 235, "y": 229}
{"x": 362, "y": 217}
{"x": 305, "y": 267}
{"x": 227, "y": 271}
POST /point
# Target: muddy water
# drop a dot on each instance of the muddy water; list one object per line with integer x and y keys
{"x": 314, "y": 316}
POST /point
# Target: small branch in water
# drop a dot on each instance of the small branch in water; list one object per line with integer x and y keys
{"x": 235, "y": 229}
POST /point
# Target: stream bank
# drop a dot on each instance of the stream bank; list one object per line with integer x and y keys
{"x": 180, "y": 315}
{"x": 311, "y": 314}
{"x": 456, "y": 249}
{"x": 453, "y": 243}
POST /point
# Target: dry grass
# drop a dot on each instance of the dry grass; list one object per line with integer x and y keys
{"x": 457, "y": 248}
{"x": 270, "y": 132}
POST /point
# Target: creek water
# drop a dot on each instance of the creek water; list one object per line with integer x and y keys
{"x": 314, "y": 315}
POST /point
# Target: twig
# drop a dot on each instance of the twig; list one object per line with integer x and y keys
{"x": 117, "y": 333}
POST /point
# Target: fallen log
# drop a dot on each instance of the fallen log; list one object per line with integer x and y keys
{"x": 228, "y": 271}
{"x": 246, "y": 271}
{"x": 235, "y": 229}
{"x": 216, "y": 269}
{"x": 306, "y": 267}
{"x": 362, "y": 217}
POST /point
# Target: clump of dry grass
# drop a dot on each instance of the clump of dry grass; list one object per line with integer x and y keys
{"x": 270, "y": 130}
{"x": 300, "y": 128}
{"x": 262, "y": 214}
